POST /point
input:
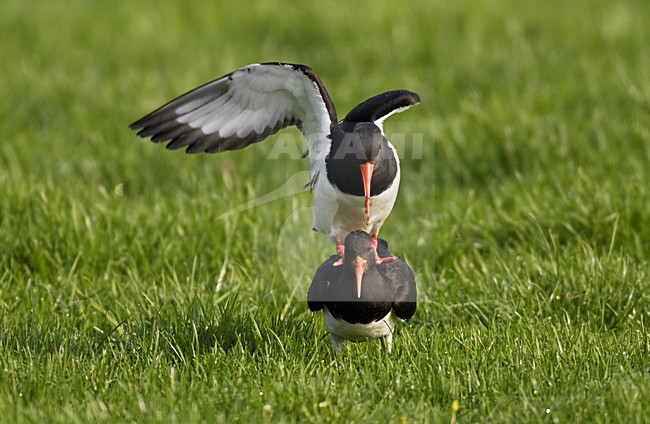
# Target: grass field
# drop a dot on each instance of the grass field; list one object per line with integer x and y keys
{"x": 127, "y": 296}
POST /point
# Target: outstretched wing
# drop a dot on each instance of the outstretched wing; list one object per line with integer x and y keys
{"x": 244, "y": 107}
{"x": 377, "y": 108}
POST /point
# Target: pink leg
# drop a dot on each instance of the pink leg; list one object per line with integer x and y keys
{"x": 378, "y": 260}
{"x": 340, "y": 249}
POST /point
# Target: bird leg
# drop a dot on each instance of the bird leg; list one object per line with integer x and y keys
{"x": 337, "y": 343}
{"x": 340, "y": 249}
{"x": 378, "y": 260}
{"x": 389, "y": 342}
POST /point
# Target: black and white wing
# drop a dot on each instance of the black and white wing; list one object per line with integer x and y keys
{"x": 244, "y": 107}
{"x": 377, "y": 108}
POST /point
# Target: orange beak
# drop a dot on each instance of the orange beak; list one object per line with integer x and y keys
{"x": 359, "y": 268}
{"x": 366, "y": 175}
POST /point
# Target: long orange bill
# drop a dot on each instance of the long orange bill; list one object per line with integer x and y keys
{"x": 366, "y": 175}
{"x": 359, "y": 268}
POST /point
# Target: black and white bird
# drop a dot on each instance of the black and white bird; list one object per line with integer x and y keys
{"x": 354, "y": 170}
{"x": 360, "y": 300}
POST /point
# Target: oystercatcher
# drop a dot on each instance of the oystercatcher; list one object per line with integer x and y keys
{"x": 361, "y": 300}
{"x": 354, "y": 170}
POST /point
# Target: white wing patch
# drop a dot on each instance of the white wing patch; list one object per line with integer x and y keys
{"x": 244, "y": 107}
{"x": 380, "y": 122}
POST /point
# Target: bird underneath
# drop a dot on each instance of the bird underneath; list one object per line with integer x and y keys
{"x": 354, "y": 170}
{"x": 361, "y": 300}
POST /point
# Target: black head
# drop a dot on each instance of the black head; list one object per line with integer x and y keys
{"x": 357, "y": 243}
{"x": 360, "y": 161}
{"x": 358, "y": 142}
{"x": 359, "y": 258}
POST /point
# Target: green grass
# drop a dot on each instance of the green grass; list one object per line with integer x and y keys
{"x": 125, "y": 296}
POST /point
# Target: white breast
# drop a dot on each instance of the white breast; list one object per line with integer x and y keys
{"x": 337, "y": 214}
{"x": 360, "y": 332}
